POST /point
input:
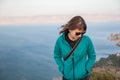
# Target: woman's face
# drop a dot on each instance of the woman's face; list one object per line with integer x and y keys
{"x": 75, "y": 34}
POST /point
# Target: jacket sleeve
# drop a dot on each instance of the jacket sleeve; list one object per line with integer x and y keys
{"x": 91, "y": 56}
{"x": 58, "y": 56}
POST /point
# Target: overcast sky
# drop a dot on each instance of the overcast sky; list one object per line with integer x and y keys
{"x": 10, "y": 8}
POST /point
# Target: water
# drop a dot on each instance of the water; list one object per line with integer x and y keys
{"x": 26, "y": 51}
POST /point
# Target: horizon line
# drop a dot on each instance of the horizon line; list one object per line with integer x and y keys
{"x": 57, "y": 18}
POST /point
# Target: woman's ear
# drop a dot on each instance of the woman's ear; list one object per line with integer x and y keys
{"x": 69, "y": 30}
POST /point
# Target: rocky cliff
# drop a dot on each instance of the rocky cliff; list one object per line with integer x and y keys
{"x": 115, "y": 37}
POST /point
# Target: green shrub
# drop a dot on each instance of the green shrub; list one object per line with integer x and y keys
{"x": 103, "y": 76}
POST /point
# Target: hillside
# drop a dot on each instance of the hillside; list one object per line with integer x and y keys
{"x": 112, "y": 60}
{"x": 107, "y": 68}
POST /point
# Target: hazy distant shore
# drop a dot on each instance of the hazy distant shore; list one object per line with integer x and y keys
{"x": 56, "y": 19}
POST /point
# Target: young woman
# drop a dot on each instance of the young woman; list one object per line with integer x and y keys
{"x": 78, "y": 65}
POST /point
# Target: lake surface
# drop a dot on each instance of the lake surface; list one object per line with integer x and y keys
{"x": 26, "y": 51}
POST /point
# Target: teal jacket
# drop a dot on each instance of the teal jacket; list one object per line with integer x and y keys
{"x": 84, "y": 57}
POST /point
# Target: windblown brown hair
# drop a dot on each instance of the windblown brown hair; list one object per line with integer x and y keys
{"x": 76, "y": 22}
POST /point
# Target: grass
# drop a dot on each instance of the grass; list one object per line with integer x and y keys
{"x": 105, "y": 76}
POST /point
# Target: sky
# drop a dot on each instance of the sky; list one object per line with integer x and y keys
{"x": 16, "y": 8}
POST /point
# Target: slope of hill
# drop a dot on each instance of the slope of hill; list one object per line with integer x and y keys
{"x": 112, "y": 60}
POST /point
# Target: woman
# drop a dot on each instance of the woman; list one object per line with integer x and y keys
{"x": 78, "y": 65}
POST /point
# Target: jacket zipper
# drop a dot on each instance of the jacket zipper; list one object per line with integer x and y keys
{"x": 73, "y": 67}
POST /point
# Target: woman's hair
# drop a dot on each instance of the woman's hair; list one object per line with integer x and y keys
{"x": 76, "y": 22}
